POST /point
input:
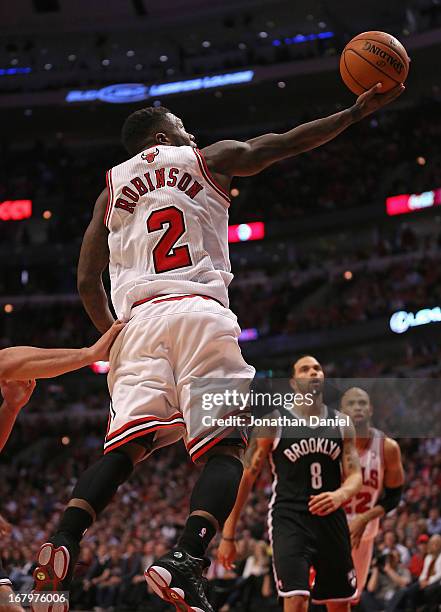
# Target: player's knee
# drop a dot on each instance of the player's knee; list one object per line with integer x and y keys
{"x": 216, "y": 489}
{"x": 136, "y": 451}
{"x": 339, "y": 606}
{"x": 98, "y": 484}
{"x": 229, "y": 450}
{"x": 298, "y": 603}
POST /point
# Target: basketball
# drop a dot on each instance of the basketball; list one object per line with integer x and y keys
{"x": 374, "y": 57}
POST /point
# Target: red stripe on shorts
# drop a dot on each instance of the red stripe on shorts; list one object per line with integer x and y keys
{"x": 158, "y": 299}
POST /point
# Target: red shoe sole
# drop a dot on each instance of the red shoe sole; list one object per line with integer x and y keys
{"x": 159, "y": 579}
{"x": 51, "y": 570}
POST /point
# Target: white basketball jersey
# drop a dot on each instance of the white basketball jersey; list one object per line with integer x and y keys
{"x": 372, "y": 467}
{"x": 168, "y": 228}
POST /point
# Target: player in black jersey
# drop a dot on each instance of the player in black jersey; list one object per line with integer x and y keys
{"x": 308, "y": 450}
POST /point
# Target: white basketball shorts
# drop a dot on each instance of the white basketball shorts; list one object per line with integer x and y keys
{"x": 172, "y": 344}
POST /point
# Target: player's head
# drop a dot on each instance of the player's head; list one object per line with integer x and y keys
{"x": 356, "y": 403}
{"x": 154, "y": 125}
{"x": 307, "y": 375}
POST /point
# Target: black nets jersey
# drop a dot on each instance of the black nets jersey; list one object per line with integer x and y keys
{"x": 305, "y": 460}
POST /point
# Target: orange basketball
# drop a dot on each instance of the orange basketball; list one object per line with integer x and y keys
{"x": 374, "y": 57}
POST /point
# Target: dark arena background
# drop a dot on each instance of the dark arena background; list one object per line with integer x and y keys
{"x": 336, "y": 254}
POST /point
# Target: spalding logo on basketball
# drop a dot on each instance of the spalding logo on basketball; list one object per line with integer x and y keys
{"x": 150, "y": 157}
{"x": 386, "y": 58}
{"x": 371, "y": 58}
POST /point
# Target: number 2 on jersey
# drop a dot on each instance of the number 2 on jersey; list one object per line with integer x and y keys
{"x": 166, "y": 256}
{"x": 316, "y": 475}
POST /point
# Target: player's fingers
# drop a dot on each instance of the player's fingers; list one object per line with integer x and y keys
{"x": 317, "y": 509}
{"x": 326, "y": 503}
{"x": 320, "y": 508}
{"x": 394, "y": 93}
{"x": 373, "y": 91}
{"x": 318, "y": 501}
{"x": 226, "y": 563}
{"x": 325, "y": 511}
{"x": 117, "y": 327}
{"x": 316, "y": 498}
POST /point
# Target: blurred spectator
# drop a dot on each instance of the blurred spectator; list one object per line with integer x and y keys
{"x": 390, "y": 544}
{"x": 388, "y": 576}
{"x": 427, "y": 589}
{"x": 416, "y": 562}
{"x": 434, "y": 522}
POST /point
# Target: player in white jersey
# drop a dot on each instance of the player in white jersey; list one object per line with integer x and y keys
{"x": 383, "y": 479}
{"x": 165, "y": 240}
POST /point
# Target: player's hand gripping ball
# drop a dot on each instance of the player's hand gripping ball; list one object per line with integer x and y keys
{"x": 371, "y": 58}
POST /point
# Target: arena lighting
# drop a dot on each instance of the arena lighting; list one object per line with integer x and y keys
{"x": 15, "y": 210}
{"x": 122, "y": 93}
{"x": 401, "y": 320}
{"x": 301, "y": 38}
{"x": 407, "y": 203}
{"x": 100, "y": 367}
{"x": 19, "y": 70}
{"x": 249, "y": 334}
{"x": 246, "y": 231}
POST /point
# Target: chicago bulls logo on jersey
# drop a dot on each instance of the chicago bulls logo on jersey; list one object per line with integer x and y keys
{"x": 150, "y": 157}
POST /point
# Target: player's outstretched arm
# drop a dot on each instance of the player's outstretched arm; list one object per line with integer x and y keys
{"x": 393, "y": 487}
{"x": 28, "y": 362}
{"x": 231, "y": 158}
{"x": 325, "y": 503}
{"x": 16, "y": 394}
{"x": 94, "y": 259}
{"x": 255, "y": 457}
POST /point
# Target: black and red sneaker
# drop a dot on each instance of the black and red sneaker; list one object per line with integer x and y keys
{"x": 53, "y": 566}
{"x": 177, "y": 578}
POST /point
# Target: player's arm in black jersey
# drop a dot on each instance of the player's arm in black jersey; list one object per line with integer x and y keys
{"x": 229, "y": 158}
{"x": 94, "y": 259}
{"x": 393, "y": 482}
{"x": 329, "y": 501}
{"x": 255, "y": 457}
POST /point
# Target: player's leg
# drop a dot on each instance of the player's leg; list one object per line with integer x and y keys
{"x": 205, "y": 348}
{"x": 336, "y": 606}
{"x": 91, "y": 495}
{"x": 362, "y": 557}
{"x": 293, "y": 547}
{"x": 213, "y": 497}
{"x": 177, "y": 576}
{"x": 141, "y": 411}
{"x": 298, "y": 603}
{"x": 335, "y": 582}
